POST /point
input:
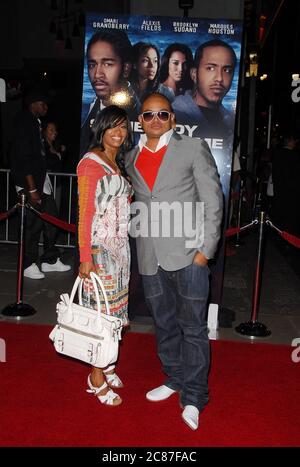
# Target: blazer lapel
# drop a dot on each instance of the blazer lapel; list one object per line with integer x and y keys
{"x": 136, "y": 171}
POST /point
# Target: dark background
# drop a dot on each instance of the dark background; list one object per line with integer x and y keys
{"x": 30, "y": 54}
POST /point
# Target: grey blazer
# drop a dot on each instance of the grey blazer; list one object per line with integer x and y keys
{"x": 188, "y": 175}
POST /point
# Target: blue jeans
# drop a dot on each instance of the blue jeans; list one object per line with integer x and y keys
{"x": 178, "y": 303}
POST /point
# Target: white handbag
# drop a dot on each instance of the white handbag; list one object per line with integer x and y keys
{"x": 85, "y": 333}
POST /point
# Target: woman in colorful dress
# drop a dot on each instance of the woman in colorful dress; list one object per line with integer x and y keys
{"x": 104, "y": 197}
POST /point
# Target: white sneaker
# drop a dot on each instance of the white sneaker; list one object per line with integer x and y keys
{"x": 58, "y": 266}
{"x": 160, "y": 394}
{"x": 190, "y": 416}
{"x": 33, "y": 272}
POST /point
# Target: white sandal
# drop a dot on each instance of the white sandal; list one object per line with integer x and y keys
{"x": 108, "y": 398}
{"x": 112, "y": 379}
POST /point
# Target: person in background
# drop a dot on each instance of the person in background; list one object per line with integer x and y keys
{"x": 104, "y": 196}
{"x": 235, "y": 179}
{"x": 174, "y": 72}
{"x": 28, "y": 169}
{"x": 54, "y": 154}
{"x": 54, "y": 150}
{"x": 169, "y": 170}
{"x": 286, "y": 186}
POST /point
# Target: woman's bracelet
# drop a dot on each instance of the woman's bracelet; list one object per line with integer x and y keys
{"x": 32, "y": 191}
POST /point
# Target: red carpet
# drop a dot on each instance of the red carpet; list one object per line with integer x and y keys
{"x": 254, "y": 397}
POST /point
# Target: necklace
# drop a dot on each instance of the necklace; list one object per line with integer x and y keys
{"x": 111, "y": 162}
{"x": 105, "y": 158}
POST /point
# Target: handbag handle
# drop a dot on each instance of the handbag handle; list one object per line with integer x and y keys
{"x": 78, "y": 285}
{"x": 96, "y": 279}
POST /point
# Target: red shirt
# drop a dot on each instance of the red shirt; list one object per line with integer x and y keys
{"x": 148, "y": 164}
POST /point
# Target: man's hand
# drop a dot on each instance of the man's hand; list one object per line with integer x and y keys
{"x": 200, "y": 259}
{"x": 85, "y": 268}
{"x": 33, "y": 193}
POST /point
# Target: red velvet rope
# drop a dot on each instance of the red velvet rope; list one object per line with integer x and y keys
{"x": 232, "y": 231}
{"x": 291, "y": 239}
{"x": 58, "y": 222}
{"x": 3, "y": 215}
{"x": 72, "y": 228}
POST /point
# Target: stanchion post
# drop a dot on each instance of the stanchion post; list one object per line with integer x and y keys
{"x": 253, "y": 328}
{"x": 241, "y": 193}
{"x": 19, "y": 309}
{"x": 256, "y": 200}
{"x": 21, "y": 250}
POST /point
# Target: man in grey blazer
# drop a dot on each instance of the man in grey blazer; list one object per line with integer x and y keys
{"x": 177, "y": 216}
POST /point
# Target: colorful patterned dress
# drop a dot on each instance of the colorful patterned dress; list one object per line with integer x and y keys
{"x": 103, "y": 231}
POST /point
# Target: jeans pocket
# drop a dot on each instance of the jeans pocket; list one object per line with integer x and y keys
{"x": 193, "y": 282}
{"x": 152, "y": 286}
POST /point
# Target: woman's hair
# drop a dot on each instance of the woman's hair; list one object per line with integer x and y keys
{"x": 56, "y": 143}
{"x": 213, "y": 43}
{"x": 139, "y": 49}
{"x": 110, "y": 117}
{"x": 186, "y": 82}
{"x": 46, "y": 123}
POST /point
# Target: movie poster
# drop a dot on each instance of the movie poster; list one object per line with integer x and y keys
{"x": 165, "y": 54}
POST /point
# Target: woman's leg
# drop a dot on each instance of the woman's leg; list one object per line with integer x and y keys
{"x": 97, "y": 379}
{"x": 112, "y": 378}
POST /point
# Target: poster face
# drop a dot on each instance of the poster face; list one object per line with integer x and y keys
{"x": 193, "y": 61}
